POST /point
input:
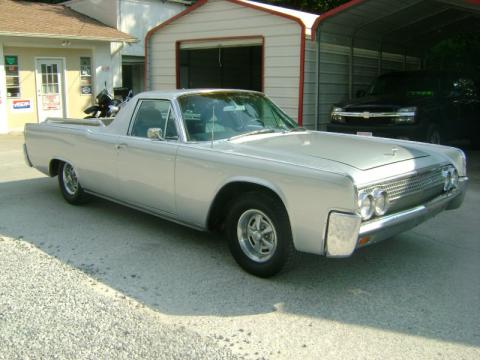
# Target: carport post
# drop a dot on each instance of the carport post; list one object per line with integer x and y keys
{"x": 380, "y": 58}
{"x": 350, "y": 73}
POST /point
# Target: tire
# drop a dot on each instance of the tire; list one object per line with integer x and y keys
{"x": 434, "y": 136}
{"x": 70, "y": 188}
{"x": 263, "y": 255}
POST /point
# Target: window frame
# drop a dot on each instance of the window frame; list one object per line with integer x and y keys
{"x": 88, "y": 78}
{"x": 170, "y": 110}
{"x": 19, "y": 96}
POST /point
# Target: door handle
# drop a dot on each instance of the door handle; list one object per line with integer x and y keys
{"x": 120, "y": 146}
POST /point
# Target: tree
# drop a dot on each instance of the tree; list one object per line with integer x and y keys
{"x": 312, "y": 6}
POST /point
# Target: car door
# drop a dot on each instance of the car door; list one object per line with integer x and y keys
{"x": 145, "y": 166}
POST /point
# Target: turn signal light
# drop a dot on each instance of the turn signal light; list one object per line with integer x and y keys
{"x": 363, "y": 240}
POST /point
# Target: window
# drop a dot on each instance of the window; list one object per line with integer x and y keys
{"x": 12, "y": 76}
{"x": 156, "y": 114}
{"x": 85, "y": 76}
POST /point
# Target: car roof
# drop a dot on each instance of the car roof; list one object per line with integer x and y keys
{"x": 173, "y": 94}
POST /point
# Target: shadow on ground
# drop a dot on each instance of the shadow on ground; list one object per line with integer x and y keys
{"x": 424, "y": 282}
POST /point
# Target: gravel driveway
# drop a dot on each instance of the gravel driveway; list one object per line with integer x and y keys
{"x": 105, "y": 281}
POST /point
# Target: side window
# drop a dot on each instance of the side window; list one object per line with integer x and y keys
{"x": 150, "y": 114}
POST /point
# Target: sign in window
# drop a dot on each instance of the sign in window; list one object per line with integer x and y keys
{"x": 85, "y": 76}
{"x": 12, "y": 76}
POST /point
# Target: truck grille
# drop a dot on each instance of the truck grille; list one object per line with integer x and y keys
{"x": 412, "y": 190}
{"x": 356, "y": 120}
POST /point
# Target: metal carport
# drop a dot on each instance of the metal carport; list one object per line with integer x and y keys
{"x": 364, "y": 38}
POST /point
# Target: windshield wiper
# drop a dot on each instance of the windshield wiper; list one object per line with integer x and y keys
{"x": 255, "y": 132}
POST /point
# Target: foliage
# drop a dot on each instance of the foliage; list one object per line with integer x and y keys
{"x": 312, "y": 6}
{"x": 46, "y": 1}
{"x": 460, "y": 52}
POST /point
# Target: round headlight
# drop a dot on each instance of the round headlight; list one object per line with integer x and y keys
{"x": 365, "y": 205}
{"x": 447, "y": 175}
{"x": 450, "y": 177}
{"x": 453, "y": 178}
{"x": 381, "y": 201}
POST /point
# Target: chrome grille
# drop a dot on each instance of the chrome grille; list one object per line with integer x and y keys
{"x": 400, "y": 188}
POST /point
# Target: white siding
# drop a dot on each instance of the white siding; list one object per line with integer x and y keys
{"x": 104, "y": 11}
{"x": 310, "y": 85}
{"x": 224, "y": 19}
{"x": 3, "y": 95}
{"x": 137, "y": 17}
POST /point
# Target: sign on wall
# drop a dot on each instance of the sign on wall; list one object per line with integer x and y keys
{"x": 21, "y": 105}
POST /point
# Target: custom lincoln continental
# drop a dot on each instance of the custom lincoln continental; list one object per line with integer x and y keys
{"x": 232, "y": 160}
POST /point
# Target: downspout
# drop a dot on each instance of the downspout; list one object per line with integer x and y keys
{"x": 380, "y": 58}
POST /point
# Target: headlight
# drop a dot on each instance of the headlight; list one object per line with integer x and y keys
{"x": 336, "y": 117}
{"x": 381, "y": 201}
{"x": 406, "y": 115}
{"x": 365, "y": 205}
{"x": 450, "y": 176}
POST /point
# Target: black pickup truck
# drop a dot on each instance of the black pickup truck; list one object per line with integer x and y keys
{"x": 434, "y": 107}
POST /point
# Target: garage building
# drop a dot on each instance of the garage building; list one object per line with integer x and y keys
{"x": 305, "y": 62}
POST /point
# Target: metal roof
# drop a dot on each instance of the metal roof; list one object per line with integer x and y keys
{"x": 407, "y": 25}
{"x": 307, "y": 19}
{"x": 29, "y": 19}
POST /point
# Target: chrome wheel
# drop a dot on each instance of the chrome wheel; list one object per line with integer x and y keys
{"x": 256, "y": 235}
{"x": 70, "y": 179}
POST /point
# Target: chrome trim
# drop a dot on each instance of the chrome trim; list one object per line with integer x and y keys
{"x": 382, "y": 228}
{"x": 368, "y": 114}
{"x": 342, "y": 234}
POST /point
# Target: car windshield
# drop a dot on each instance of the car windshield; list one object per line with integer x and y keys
{"x": 404, "y": 84}
{"x": 226, "y": 114}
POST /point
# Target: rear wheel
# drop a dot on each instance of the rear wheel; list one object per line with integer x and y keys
{"x": 259, "y": 234}
{"x": 70, "y": 187}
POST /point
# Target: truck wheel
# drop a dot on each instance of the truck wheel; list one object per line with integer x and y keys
{"x": 69, "y": 186}
{"x": 259, "y": 234}
{"x": 434, "y": 135}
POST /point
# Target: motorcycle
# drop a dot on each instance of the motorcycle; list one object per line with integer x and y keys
{"x": 106, "y": 105}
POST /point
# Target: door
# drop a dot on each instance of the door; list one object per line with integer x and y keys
{"x": 146, "y": 166}
{"x": 227, "y": 68}
{"x": 49, "y": 80}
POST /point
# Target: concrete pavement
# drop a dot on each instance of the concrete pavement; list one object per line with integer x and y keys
{"x": 414, "y": 296}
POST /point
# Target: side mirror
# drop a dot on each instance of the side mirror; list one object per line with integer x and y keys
{"x": 155, "y": 133}
{"x": 360, "y": 93}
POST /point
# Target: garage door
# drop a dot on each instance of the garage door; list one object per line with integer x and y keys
{"x": 228, "y": 67}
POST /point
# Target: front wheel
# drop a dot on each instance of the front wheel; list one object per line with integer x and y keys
{"x": 259, "y": 234}
{"x": 70, "y": 187}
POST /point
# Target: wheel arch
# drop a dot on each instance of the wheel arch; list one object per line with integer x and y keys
{"x": 234, "y": 188}
{"x": 54, "y": 166}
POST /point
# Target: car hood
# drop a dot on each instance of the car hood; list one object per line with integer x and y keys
{"x": 386, "y": 101}
{"x": 305, "y": 148}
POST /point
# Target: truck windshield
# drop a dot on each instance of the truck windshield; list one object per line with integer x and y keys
{"x": 404, "y": 84}
{"x": 226, "y": 114}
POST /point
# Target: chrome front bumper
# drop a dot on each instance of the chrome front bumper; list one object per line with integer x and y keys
{"x": 346, "y": 232}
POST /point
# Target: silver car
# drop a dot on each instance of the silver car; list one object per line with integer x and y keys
{"x": 232, "y": 160}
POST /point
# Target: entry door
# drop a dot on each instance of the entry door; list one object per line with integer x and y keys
{"x": 50, "y": 87}
{"x": 146, "y": 167}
